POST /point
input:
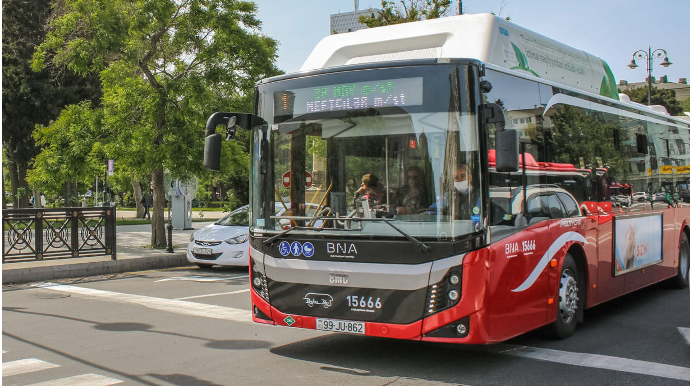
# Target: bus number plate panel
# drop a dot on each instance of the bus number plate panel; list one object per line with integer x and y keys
{"x": 336, "y": 325}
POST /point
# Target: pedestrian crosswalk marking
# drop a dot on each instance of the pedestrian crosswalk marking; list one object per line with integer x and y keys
{"x": 81, "y": 380}
{"x": 25, "y": 366}
{"x": 686, "y": 333}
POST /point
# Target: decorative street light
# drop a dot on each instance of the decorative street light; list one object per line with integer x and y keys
{"x": 649, "y": 56}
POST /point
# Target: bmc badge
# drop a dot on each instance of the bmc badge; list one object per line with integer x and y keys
{"x": 338, "y": 278}
{"x": 313, "y": 298}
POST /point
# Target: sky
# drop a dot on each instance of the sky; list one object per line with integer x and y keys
{"x": 610, "y": 29}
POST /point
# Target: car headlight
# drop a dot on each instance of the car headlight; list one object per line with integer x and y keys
{"x": 238, "y": 239}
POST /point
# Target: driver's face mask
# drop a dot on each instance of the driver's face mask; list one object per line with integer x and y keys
{"x": 462, "y": 186}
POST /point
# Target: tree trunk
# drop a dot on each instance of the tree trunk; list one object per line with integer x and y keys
{"x": 14, "y": 182}
{"x": 21, "y": 176}
{"x": 136, "y": 187}
{"x": 158, "y": 214}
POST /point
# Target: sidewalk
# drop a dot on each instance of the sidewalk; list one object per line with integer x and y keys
{"x": 131, "y": 256}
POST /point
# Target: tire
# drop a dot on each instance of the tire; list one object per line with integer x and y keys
{"x": 681, "y": 280}
{"x": 204, "y": 266}
{"x": 570, "y": 297}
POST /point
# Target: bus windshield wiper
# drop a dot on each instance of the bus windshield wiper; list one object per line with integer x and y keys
{"x": 425, "y": 248}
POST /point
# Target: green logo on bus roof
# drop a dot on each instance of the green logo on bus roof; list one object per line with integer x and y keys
{"x": 289, "y": 320}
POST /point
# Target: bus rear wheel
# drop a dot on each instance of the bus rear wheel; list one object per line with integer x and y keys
{"x": 681, "y": 280}
{"x": 569, "y": 300}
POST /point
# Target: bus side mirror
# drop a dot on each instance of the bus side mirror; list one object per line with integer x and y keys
{"x": 212, "y": 152}
{"x": 507, "y": 140}
{"x": 507, "y": 151}
{"x": 213, "y": 142}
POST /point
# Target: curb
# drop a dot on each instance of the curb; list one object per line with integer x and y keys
{"x": 28, "y": 275}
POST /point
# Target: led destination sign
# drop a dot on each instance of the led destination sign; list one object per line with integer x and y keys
{"x": 350, "y": 96}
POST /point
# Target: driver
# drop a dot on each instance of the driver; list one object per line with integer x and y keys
{"x": 467, "y": 201}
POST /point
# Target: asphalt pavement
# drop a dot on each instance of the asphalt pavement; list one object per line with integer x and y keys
{"x": 133, "y": 254}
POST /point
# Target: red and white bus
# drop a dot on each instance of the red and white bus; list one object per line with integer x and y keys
{"x": 423, "y": 224}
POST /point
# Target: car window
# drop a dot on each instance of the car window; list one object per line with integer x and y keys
{"x": 535, "y": 207}
{"x": 554, "y": 206}
{"x": 238, "y": 217}
{"x": 570, "y": 205}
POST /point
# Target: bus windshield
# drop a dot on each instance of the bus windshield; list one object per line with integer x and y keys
{"x": 391, "y": 145}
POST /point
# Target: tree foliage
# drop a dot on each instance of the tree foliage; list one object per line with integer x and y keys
{"x": 409, "y": 10}
{"x": 165, "y": 66}
{"x": 28, "y": 97}
{"x": 664, "y": 97}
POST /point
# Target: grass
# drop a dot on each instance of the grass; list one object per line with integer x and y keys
{"x": 193, "y": 209}
{"x": 139, "y": 221}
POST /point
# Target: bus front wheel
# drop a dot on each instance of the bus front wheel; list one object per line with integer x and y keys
{"x": 569, "y": 300}
{"x": 681, "y": 280}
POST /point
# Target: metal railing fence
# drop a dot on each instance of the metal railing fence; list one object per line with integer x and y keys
{"x": 37, "y": 234}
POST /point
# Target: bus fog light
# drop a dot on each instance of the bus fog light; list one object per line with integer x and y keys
{"x": 454, "y": 279}
{"x": 461, "y": 329}
{"x": 453, "y": 295}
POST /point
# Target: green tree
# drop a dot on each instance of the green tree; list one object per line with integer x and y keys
{"x": 409, "y": 10}
{"x": 28, "y": 97}
{"x": 165, "y": 65}
{"x": 72, "y": 150}
{"x": 664, "y": 97}
{"x": 685, "y": 105}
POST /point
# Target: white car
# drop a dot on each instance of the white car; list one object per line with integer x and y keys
{"x": 639, "y": 196}
{"x": 224, "y": 242}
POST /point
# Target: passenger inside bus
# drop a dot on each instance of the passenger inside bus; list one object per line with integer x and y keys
{"x": 371, "y": 190}
{"x": 412, "y": 197}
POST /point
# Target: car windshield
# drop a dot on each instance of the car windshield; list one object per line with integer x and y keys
{"x": 238, "y": 217}
{"x": 359, "y": 148}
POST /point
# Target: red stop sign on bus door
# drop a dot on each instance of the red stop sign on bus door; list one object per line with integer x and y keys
{"x": 286, "y": 179}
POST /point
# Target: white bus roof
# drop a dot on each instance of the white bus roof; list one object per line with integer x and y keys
{"x": 484, "y": 37}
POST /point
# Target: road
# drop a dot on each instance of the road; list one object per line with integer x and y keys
{"x": 188, "y": 326}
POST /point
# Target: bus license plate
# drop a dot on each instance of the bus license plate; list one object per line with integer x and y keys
{"x": 202, "y": 251}
{"x": 340, "y": 326}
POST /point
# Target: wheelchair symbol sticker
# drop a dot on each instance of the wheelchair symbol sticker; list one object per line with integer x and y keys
{"x": 284, "y": 248}
{"x": 308, "y": 249}
{"x": 296, "y": 248}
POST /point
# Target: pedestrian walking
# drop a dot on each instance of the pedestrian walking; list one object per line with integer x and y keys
{"x": 146, "y": 203}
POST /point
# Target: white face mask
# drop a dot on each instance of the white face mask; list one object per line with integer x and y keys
{"x": 462, "y": 187}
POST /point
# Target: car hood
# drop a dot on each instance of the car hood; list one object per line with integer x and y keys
{"x": 219, "y": 232}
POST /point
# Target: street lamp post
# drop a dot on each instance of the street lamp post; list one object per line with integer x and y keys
{"x": 649, "y": 56}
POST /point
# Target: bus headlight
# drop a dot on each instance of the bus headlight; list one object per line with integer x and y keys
{"x": 446, "y": 293}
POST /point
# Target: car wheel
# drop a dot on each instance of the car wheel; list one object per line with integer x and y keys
{"x": 681, "y": 280}
{"x": 570, "y": 295}
{"x": 204, "y": 266}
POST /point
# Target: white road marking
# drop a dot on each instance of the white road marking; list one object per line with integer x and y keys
{"x": 25, "y": 366}
{"x": 169, "y": 305}
{"x": 201, "y": 278}
{"x": 81, "y": 380}
{"x": 216, "y": 294}
{"x": 686, "y": 333}
{"x": 598, "y": 361}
